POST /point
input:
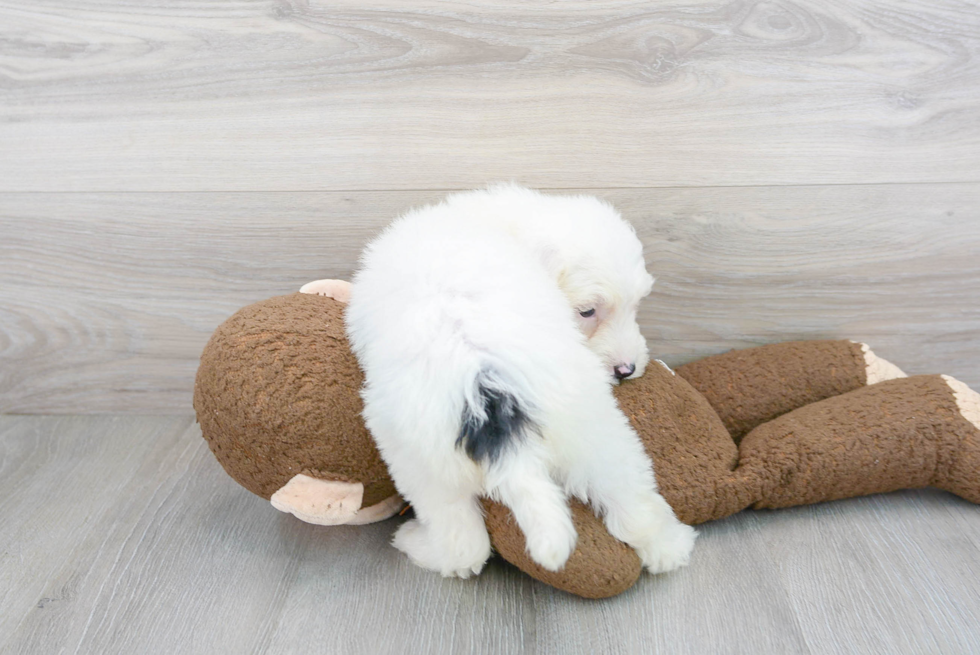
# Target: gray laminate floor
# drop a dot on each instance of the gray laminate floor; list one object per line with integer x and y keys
{"x": 123, "y": 535}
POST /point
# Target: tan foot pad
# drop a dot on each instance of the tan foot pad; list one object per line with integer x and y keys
{"x": 967, "y": 400}
{"x": 878, "y": 369}
{"x": 337, "y": 289}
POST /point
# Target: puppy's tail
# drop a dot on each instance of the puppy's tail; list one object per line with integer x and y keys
{"x": 494, "y": 419}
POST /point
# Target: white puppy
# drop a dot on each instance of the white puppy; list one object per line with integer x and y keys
{"x": 490, "y": 328}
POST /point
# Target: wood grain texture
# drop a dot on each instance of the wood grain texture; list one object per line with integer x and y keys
{"x": 294, "y": 95}
{"x": 107, "y": 300}
{"x": 896, "y": 600}
{"x": 124, "y": 535}
{"x": 63, "y": 484}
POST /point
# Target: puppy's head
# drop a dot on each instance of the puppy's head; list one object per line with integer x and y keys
{"x": 600, "y": 268}
{"x": 605, "y": 303}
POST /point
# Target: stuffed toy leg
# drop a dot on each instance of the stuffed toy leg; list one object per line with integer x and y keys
{"x": 920, "y": 431}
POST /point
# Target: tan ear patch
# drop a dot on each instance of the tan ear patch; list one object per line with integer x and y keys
{"x": 967, "y": 400}
{"x": 322, "y": 502}
{"x": 878, "y": 369}
{"x": 339, "y": 290}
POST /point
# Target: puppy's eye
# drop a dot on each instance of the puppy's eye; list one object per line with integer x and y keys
{"x": 587, "y": 313}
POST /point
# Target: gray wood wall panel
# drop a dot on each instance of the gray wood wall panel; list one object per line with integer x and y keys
{"x": 124, "y": 535}
{"x": 277, "y": 95}
{"x": 108, "y": 299}
{"x": 797, "y": 170}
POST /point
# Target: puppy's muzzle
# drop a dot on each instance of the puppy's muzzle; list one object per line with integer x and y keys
{"x": 623, "y": 371}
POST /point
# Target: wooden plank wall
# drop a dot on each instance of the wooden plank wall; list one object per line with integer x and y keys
{"x": 798, "y": 169}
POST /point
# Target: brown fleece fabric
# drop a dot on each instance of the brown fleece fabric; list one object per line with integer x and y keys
{"x": 601, "y": 566}
{"x": 692, "y": 452}
{"x": 277, "y": 393}
{"x": 898, "y": 434}
{"x": 749, "y": 387}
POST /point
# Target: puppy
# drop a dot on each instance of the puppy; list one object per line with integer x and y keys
{"x": 490, "y": 328}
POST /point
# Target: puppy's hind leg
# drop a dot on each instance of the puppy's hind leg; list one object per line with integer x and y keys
{"x": 616, "y": 475}
{"x": 522, "y": 481}
{"x": 448, "y": 534}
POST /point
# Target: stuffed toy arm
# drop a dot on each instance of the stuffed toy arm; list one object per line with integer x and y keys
{"x": 750, "y": 387}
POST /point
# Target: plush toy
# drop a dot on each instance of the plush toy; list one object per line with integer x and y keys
{"x": 775, "y": 426}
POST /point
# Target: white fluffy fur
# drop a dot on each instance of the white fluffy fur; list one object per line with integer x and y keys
{"x": 495, "y": 281}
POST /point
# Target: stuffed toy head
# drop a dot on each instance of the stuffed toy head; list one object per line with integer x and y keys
{"x": 277, "y": 398}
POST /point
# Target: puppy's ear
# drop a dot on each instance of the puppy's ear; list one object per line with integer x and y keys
{"x": 558, "y": 268}
{"x": 553, "y": 261}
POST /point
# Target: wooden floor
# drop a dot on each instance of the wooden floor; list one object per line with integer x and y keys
{"x": 796, "y": 169}
{"x": 124, "y": 535}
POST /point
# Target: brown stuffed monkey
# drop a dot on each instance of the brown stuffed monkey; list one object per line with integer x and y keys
{"x": 277, "y": 397}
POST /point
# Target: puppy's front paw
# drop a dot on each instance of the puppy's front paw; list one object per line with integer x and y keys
{"x": 669, "y": 548}
{"x": 551, "y": 547}
{"x": 460, "y": 555}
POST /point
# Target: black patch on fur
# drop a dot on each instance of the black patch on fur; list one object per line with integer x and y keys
{"x": 505, "y": 424}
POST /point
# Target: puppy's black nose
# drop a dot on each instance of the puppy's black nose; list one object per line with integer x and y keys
{"x": 624, "y": 371}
